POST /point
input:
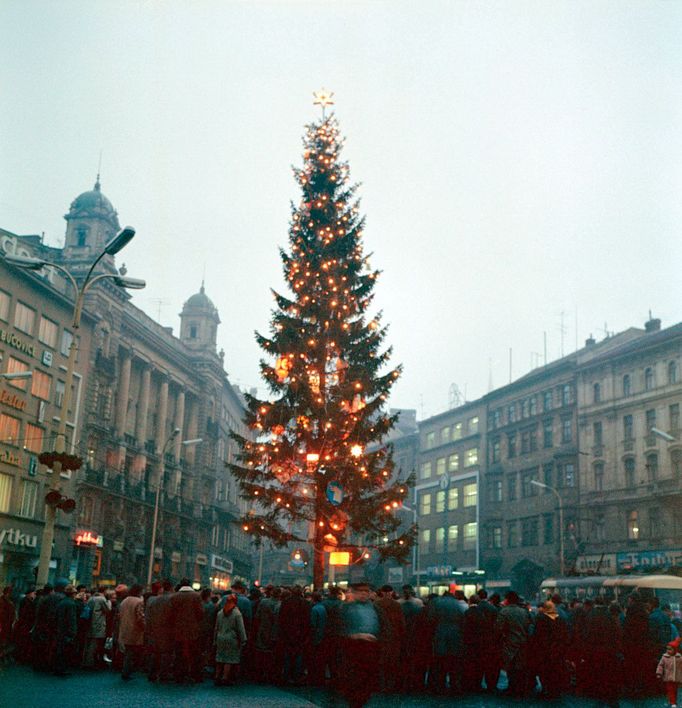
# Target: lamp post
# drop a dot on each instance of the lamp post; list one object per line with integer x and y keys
{"x": 561, "y": 520}
{"x": 119, "y": 241}
{"x": 155, "y": 521}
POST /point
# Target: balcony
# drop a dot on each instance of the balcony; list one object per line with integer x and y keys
{"x": 150, "y": 447}
{"x": 629, "y": 444}
{"x": 106, "y": 364}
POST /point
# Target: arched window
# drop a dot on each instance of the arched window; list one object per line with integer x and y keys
{"x": 626, "y": 385}
{"x": 672, "y": 372}
{"x": 648, "y": 378}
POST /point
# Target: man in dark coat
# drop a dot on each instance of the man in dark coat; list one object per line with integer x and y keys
{"x": 513, "y": 627}
{"x": 448, "y": 645}
{"x": 41, "y": 631}
{"x": 602, "y": 651}
{"x": 548, "y": 651}
{"x": 158, "y": 625}
{"x": 66, "y": 632}
{"x": 392, "y": 638}
{"x": 491, "y": 654}
{"x": 475, "y": 647}
{"x": 7, "y": 617}
{"x": 187, "y": 613}
{"x": 24, "y": 625}
{"x": 635, "y": 645}
{"x": 51, "y": 603}
{"x": 294, "y": 633}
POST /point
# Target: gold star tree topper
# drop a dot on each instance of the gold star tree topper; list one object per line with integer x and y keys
{"x": 323, "y": 98}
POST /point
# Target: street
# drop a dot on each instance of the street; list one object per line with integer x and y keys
{"x": 21, "y": 687}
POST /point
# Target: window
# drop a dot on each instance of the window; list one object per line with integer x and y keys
{"x": 425, "y": 504}
{"x": 65, "y": 343}
{"x": 445, "y": 434}
{"x": 40, "y": 385}
{"x": 648, "y": 378}
{"x": 4, "y": 306}
{"x": 525, "y": 408}
{"x": 629, "y": 466}
{"x": 596, "y": 393}
{"x": 470, "y": 494}
{"x": 24, "y": 318}
{"x": 496, "y": 418}
{"x": 430, "y": 439}
{"x": 511, "y": 444}
{"x": 192, "y": 331}
{"x": 33, "y": 438}
{"x": 453, "y": 536}
{"x": 547, "y": 401}
{"x": 533, "y": 405}
{"x": 494, "y": 490}
{"x": 512, "y": 534}
{"x": 652, "y": 467}
{"x": 495, "y": 450}
{"x": 425, "y": 541}
{"x": 471, "y": 457}
{"x": 47, "y": 332}
{"x": 566, "y": 430}
{"x": 494, "y": 537}
{"x": 529, "y": 531}
{"x": 627, "y": 386}
{"x": 453, "y": 498}
{"x": 674, "y": 415}
{"x": 29, "y": 495}
{"x": 650, "y": 417}
{"x": 81, "y": 235}
{"x": 569, "y": 475}
{"x": 473, "y": 425}
{"x": 440, "y": 540}
{"x": 440, "y": 466}
{"x": 425, "y": 470}
{"x": 599, "y": 477}
{"x": 566, "y": 395}
{"x": 548, "y": 476}
{"x": 14, "y": 366}
{"x": 548, "y": 433}
{"x": 528, "y": 489}
{"x": 511, "y": 413}
{"x": 655, "y": 525}
{"x": 597, "y": 434}
{"x": 59, "y": 389}
{"x": 470, "y": 535}
{"x": 5, "y": 492}
{"x": 9, "y": 429}
{"x": 525, "y": 442}
{"x": 440, "y": 501}
{"x": 511, "y": 487}
{"x": 457, "y": 431}
{"x": 627, "y": 427}
{"x": 453, "y": 463}
{"x": 548, "y": 529}
{"x": 633, "y": 525}
{"x": 672, "y": 372}
{"x": 533, "y": 440}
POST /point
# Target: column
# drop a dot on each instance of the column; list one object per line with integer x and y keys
{"x": 122, "y": 403}
{"x": 177, "y": 447}
{"x": 141, "y": 422}
{"x": 162, "y": 414}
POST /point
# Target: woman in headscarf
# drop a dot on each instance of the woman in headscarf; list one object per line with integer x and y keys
{"x": 548, "y": 647}
{"x": 229, "y": 637}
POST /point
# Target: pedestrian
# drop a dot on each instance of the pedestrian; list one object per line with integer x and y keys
{"x": 265, "y": 637}
{"x": 489, "y": 608}
{"x": 669, "y": 670}
{"x": 315, "y": 659}
{"x": 158, "y": 629}
{"x": 24, "y": 624}
{"x": 513, "y": 627}
{"x": 100, "y": 609}
{"x": 636, "y": 647}
{"x": 294, "y": 634}
{"x": 131, "y": 631}
{"x": 66, "y": 632}
{"x": 475, "y": 648}
{"x": 601, "y": 657}
{"x": 392, "y": 636}
{"x": 333, "y": 633}
{"x": 187, "y": 613}
{"x": 210, "y": 610}
{"x": 448, "y": 646}
{"x": 7, "y": 617}
{"x": 230, "y": 638}
{"x": 547, "y": 650}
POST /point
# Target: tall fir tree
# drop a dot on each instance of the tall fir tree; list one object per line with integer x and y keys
{"x": 317, "y": 461}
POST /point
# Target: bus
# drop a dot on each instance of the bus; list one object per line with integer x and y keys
{"x": 667, "y": 588}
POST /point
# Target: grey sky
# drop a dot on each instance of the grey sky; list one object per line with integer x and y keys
{"x": 518, "y": 159}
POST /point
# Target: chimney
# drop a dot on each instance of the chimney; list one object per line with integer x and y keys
{"x": 653, "y": 324}
{"x": 590, "y": 341}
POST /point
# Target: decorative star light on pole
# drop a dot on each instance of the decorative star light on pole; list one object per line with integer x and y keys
{"x": 323, "y": 98}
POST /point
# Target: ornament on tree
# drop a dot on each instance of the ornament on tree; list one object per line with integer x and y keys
{"x": 282, "y": 368}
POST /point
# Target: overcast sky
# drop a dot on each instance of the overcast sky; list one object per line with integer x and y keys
{"x": 517, "y": 159}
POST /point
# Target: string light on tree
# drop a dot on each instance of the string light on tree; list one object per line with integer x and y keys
{"x": 328, "y": 376}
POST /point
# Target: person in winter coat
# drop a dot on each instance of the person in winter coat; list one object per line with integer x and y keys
{"x": 67, "y": 629}
{"x": 24, "y": 624}
{"x": 669, "y": 670}
{"x": 266, "y": 634}
{"x": 294, "y": 632}
{"x": 601, "y": 656}
{"x": 391, "y": 640}
{"x": 158, "y": 629}
{"x": 131, "y": 630}
{"x": 230, "y": 637}
{"x": 7, "y": 616}
{"x": 187, "y": 613}
{"x": 547, "y": 647}
{"x": 100, "y": 609}
{"x": 448, "y": 647}
{"x": 513, "y": 628}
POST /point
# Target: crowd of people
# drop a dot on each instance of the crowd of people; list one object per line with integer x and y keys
{"x": 356, "y": 641}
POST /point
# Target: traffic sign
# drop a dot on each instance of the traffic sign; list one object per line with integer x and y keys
{"x": 334, "y": 493}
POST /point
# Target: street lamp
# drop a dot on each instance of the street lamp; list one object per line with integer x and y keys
{"x": 31, "y": 263}
{"x": 663, "y": 435}
{"x": 17, "y": 375}
{"x": 561, "y": 520}
{"x": 155, "y": 521}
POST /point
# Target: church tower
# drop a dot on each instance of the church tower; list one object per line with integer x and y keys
{"x": 199, "y": 322}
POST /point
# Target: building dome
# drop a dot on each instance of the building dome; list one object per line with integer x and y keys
{"x": 92, "y": 200}
{"x": 200, "y": 301}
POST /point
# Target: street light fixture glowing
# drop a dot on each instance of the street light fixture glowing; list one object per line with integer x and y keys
{"x": 120, "y": 241}
{"x": 129, "y": 283}
{"x": 193, "y": 441}
{"x": 663, "y": 435}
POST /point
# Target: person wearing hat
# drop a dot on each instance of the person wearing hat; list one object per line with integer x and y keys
{"x": 513, "y": 626}
{"x": 392, "y": 639}
{"x": 361, "y": 649}
{"x": 66, "y": 631}
{"x": 229, "y": 638}
{"x": 669, "y": 670}
{"x": 49, "y": 617}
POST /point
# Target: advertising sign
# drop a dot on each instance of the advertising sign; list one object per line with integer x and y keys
{"x": 644, "y": 560}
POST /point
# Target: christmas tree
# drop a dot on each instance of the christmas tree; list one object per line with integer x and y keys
{"x": 317, "y": 461}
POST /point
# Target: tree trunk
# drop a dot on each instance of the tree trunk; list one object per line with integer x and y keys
{"x": 318, "y": 556}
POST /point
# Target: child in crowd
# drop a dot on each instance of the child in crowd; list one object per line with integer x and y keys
{"x": 670, "y": 671}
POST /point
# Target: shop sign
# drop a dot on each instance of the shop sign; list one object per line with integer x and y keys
{"x": 10, "y": 458}
{"x": 644, "y": 560}
{"x": 16, "y": 537}
{"x": 47, "y": 358}
{"x": 15, "y": 342}
{"x": 221, "y": 563}
{"x": 12, "y": 400}
{"x": 439, "y": 571}
{"x": 202, "y": 559}
{"x": 395, "y": 576}
{"x": 601, "y": 563}
{"x": 118, "y": 546}
{"x": 88, "y": 538}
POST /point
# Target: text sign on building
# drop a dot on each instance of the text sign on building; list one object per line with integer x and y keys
{"x": 88, "y": 538}
{"x": 12, "y": 400}
{"x": 13, "y": 341}
{"x": 220, "y": 563}
{"x": 643, "y": 560}
{"x": 439, "y": 571}
{"x": 16, "y": 537}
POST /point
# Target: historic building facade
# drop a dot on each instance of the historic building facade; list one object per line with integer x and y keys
{"x": 157, "y": 409}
